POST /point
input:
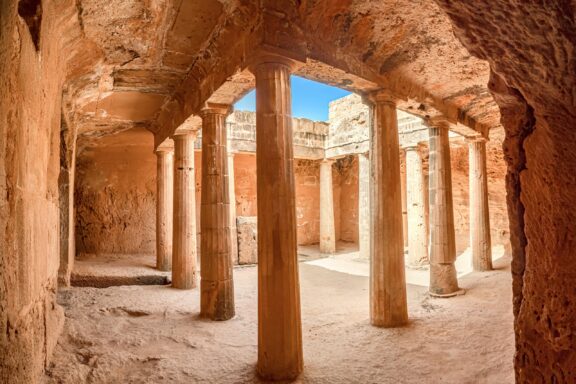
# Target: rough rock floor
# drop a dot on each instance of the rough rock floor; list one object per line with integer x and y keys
{"x": 151, "y": 334}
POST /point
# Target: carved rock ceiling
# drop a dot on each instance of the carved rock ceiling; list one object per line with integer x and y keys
{"x": 130, "y": 60}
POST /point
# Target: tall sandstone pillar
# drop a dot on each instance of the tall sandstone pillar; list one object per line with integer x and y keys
{"x": 403, "y": 186}
{"x": 415, "y": 190}
{"x": 279, "y": 323}
{"x": 216, "y": 282}
{"x": 164, "y": 207}
{"x": 184, "y": 240}
{"x": 364, "y": 206}
{"x": 480, "y": 241}
{"x": 232, "y": 197}
{"x": 443, "y": 278}
{"x": 388, "y": 307}
{"x": 327, "y": 228}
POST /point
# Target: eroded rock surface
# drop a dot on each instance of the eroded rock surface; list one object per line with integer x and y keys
{"x": 531, "y": 50}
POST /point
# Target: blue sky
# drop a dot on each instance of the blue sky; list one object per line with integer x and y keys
{"x": 309, "y": 99}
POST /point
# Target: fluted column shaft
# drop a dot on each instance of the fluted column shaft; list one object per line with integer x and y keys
{"x": 216, "y": 283}
{"x": 443, "y": 278}
{"x": 279, "y": 322}
{"x": 403, "y": 186}
{"x": 232, "y": 196}
{"x": 164, "y": 208}
{"x": 327, "y": 228}
{"x": 364, "y": 206}
{"x": 480, "y": 241}
{"x": 184, "y": 240}
{"x": 417, "y": 242}
{"x": 388, "y": 307}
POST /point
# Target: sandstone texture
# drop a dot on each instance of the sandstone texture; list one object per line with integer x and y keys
{"x": 116, "y": 195}
{"x": 31, "y": 80}
{"x": 78, "y": 78}
{"x": 247, "y": 239}
{"x": 533, "y": 62}
{"x": 115, "y": 188}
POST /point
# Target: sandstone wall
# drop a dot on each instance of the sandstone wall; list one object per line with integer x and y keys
{"x": 307, "y": 180}
{"x": 349, "y": 126}
{"x": 116, "y": 188}
{"x": 30, "y": 121}
{"x": 245, "y": 174}
{"x": 308, "y": 136}
{"x": 496, "y": 167}
{"x": 115, "y": 195}
{"x": 533, "y": 61}
{"x": 348, "y": 212}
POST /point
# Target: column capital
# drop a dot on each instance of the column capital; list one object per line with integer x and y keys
{"x": 380, "y": 96}
{"x": 186, "y": 135}
{"x": 331, "y": 161}
{"x": 476, "y": 139}
{"x": 215, "y": 108}
{"x": 437, "y": 122}
{"x": 411, "y": 148}
{"x": 164, "y": 151}
{"x": 165, "y": 148}
{"x": 273, "y": 56}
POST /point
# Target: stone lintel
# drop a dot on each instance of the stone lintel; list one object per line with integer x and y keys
{"x": 438, "y": 122}
{"x": 413, "y": 138}
{"x": 347, "y": 149}
{"x": 467, "y": 132}
{"x": 476, "y": 139}
{"x": 305, "y": 153}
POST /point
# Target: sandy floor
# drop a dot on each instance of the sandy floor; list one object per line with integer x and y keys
{"x": 151, "y": 334}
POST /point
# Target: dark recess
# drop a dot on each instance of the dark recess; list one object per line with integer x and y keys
{"x": 31, "y": 12}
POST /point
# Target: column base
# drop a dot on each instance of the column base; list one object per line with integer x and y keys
{"x": 396, "y": 323}
{"x": 482, "y": 266}
{"x": 185, "y": 285}
{"x": 443, "y": 280}
{"x": 327, "y": 252}
{"x": 459, "y": 292}
{"x": 164, "y": 267}
{"x": 287, "y": 376}
{"x": 217, "y": 300}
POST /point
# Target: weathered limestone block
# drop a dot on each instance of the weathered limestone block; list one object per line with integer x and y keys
{"x": 247, "y": 227}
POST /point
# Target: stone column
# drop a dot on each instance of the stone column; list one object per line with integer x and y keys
{"x": 417, "y": 243}
{"x": 388, "y": 307}
{"x": 403, "y": 187}
{"x": 443, "y": 279}
{"x": 279, "y": 323}
{"x": 164, "y": 207}
{"x": 232, "y": 197}
{"x": 66, "y": 199}
{"x": 184, "y": 239}
{"x": 480, "y": 241}
{"x": 216, "y": 283}
{"x": 327, "y": 229}
{"x": 364, "y": 206}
